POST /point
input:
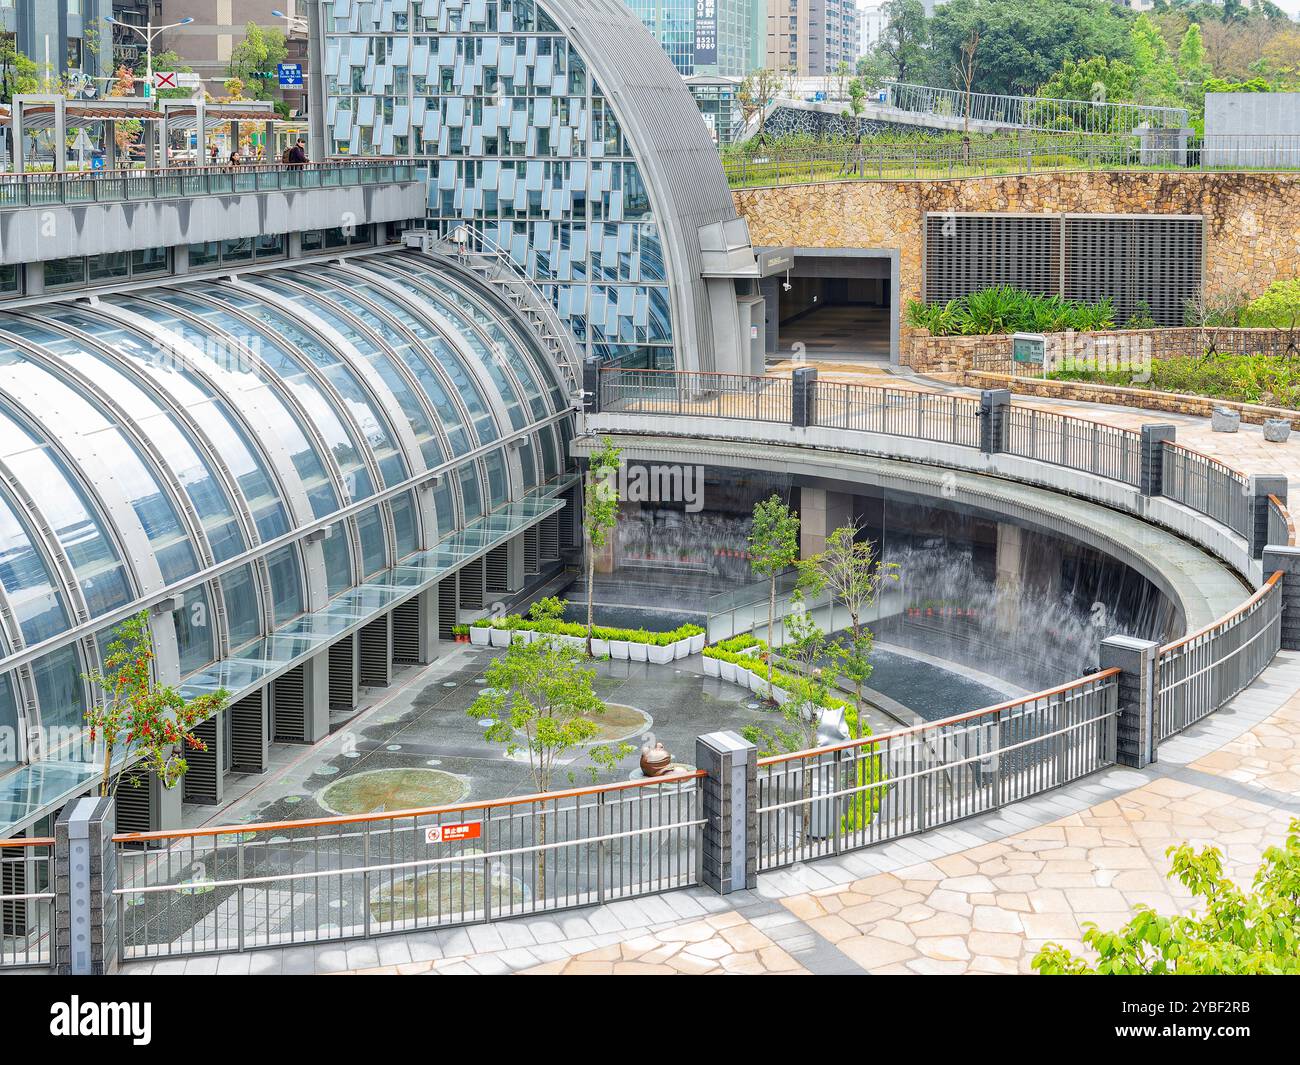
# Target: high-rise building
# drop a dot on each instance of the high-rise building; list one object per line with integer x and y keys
{"x": 715, "y": 37}
{"x": 810, "y": 38}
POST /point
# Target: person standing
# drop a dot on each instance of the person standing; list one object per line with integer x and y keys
{"x": 296, "y": 157}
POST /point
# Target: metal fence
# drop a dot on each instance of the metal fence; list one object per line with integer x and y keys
{"x": 1199, "y": 673}
{"x": 948, "y": 419}
{"x": 265, "y": 885}
{"x": 833, "y": 799}
{"x": 1208, "y": 486}
{"x": 919, "y": 160}
{"x": 701, "y": 395}
{"x": 26, "y": 902}
{"x": 1034, "y": 112}
{"x": 108, "y": 186}
{"x": 1079, "y": 443}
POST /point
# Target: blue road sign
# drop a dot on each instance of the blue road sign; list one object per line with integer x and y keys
{"x": 290, "y": 73}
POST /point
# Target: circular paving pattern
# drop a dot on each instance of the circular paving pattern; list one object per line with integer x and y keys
{"x": 377, "y": 790}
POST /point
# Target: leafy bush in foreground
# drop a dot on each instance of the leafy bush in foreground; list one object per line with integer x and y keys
{"x": 1002, "y": 309}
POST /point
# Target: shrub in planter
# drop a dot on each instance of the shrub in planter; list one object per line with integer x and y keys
{"x": 480, "y": 633}
{"x": 697, "y": 641}
{"x": 619, "y": 650}
{"x": 711, "y": 667}
{"x": 637, "y": 649}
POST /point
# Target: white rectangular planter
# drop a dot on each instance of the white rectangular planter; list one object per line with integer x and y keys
{"x": 500, "y": 637}
{"x": 480, "y": 635}
{"x": 697, "y": 643}
{"x": 680, "y": 648}
{"x": 638, "y": 652}
{"x": 599, "y": 647}
{"x": 711, "y": 667}
{"x": 727, "y": 670}
{"x": 659, "y": 654}
{"x": 618, "y": 650}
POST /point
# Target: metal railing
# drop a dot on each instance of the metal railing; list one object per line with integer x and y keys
{"x": 833, "y": 799}
{"x": 109, "y": 186}
{"x": 881, "y": 161}
{"x": 1281, "y": 529}
{"x": 1078, "y": 443}
{"x": 26, "y": 902}
{"x": 242, "y": 887}
{"x": 1198, "y": 674}
{"x": 1033, "y": 112}
{"x": 702, "y": 395}
{"x": 1208, "y": 486}
{"x": 948, "y": 419}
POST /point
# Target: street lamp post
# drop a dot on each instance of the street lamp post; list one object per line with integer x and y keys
{"x": 148, "y": 32}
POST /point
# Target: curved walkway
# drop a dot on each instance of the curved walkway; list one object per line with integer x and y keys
{"x": 980, "y": 896}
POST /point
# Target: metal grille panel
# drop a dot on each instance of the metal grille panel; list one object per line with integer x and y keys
{"x": 343, "y": 674}
{"x": 248, "y": 733}
{"x": 447, "y": 609}
{"x": 373, "y": 653}
{"x": 967, "y": 252}
{"x": 406, "y": 632}
{"x": 288, "y": 707}
{"x": 202, "y": 780}
{"x": 471, "y": 585}
{"x": 1156, "y": 261}
{"x": 498, "y": 569}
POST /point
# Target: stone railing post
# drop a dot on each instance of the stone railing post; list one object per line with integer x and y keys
{"x": 995, "y": 405}
{"x": 803, "y": 397}
{"x": 591, "y": 386}
{"x": 1136, "y": 728}
{"x": 1261, "y": 487}
{"x": 1287, "y": 561}
{"x": 1152, "y": 472}
{"x": 729, "y": 858}
{"x": 85, "y": 875}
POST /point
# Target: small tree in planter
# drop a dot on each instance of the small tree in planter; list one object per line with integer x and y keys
{"x": 599, "y": 513}
{"x": 540, "y": 698}
{"x": 815, "y": 663}
{"x": 150, "y": 724}
{"x": 773, "y": 547}
{"x": 853, "y": 573}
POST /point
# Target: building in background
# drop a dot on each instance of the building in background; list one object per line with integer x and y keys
{"x": 872, "y": 21}
{"x": 559, "y": 133}
{"x": 717, "y": 99}
{"x": 61, "y": 36}
{"x": 712, "y": 37}
{"x": 810, "y": 38}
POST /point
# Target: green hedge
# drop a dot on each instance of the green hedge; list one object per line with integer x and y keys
{"x": 1272, "y": 380}
{"x": 572, "y": 628}
{"x": 1001, "y": 309}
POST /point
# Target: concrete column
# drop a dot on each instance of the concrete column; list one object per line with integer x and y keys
{"x": 1009, "y": 584}
{"x": 1136, "y": 730}
{"x": 1261, "y": 487}
{"x": 820, "y": 513}
{"x": 804, "y": 397}
{"x": 60, "y": 135}
{"x": 429, "y": 642}
{"x": 729, "y": 857}
{"x": 1287, "y": 561}
{"x": 85, "y": 875}
{"x": 1152, "y": 472}
{"x": 995, "y": 404}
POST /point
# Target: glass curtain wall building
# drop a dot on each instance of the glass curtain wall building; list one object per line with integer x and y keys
{"x": 717, "y": 37}
{"x": 196, "y": 440}
{"x": 558, "y": 132}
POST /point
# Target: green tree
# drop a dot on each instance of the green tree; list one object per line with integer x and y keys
{"x": 1234, "y": 933}
{"x": 857, "y": 97}
{"x": 758, "y": 89}
{"x": 1096, "y": 78}
{"x": 599, "y": 513}
{"x": 149, "y": 725}
{"x": 1192, "y": 64}
{"x": 902, "y": 44}
{"x": 1156, "y": 79}
{"x": 1022, "y": 44}
{"x": 258, "y": 53}
{"x": 773, "y": 548}
{"x": 852, "y": 573}
{"x": 18, "y": 74}
{"x": 540, "y": 699}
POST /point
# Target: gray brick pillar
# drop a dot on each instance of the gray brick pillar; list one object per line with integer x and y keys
{"x": 85, "y": 874}
{"x": 1287, "y": 560}
{"x": 1135, "y": 731}
{"x": 729, "y": 859}
{"x": 995, "y": 405}
{"x": 1261, "y": 487}
{"x": 591, "y": 386}
{"x": 1152, "y": 472}
{"x": 803, "y": 394}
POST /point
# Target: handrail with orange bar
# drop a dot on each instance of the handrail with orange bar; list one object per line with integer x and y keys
{"x": 956, "y": 719}
{"x": 392, "y": 815}
{"x": 32, "y": 841}
{"x": 1226, "y": 619}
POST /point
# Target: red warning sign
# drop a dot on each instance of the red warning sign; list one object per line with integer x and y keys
{"x": 454, "y": 833}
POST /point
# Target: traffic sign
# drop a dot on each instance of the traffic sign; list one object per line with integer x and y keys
{"x": 165, "y": 79}
{"x": 453, "y": 833}
{"x": 290, "y": 73}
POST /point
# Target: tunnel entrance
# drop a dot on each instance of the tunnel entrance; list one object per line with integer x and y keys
{"x": 837, "y": 305}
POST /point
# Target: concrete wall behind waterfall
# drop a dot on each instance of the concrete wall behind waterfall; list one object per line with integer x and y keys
{"x": 1252, "y": 221}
